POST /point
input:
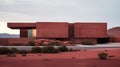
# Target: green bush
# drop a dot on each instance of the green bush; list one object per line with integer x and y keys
{"x": 31, "y": 43}
{"x": 87, "y": 42}
{"x": 5, "y": 50}
{"x": 102, "y": 55}
{"x": 14, "y": 50}
{"x": 71, "y": 50}
{"x": 63, "y": 49}
{"x": 23, "y": 51}
{"x": 24, "y": 55}
{"x": 36, "y": 50}
{"x": 43, "y": 44}
{"x": 49, "y": 49}
{"x": 55, "y": 44}
{"x": 11, "y": 55}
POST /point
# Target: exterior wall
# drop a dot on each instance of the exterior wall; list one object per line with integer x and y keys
{"x": 114, "y": 31}
{"x": 4, "y": 41}
{"x": 19, "y": 41}
{"x": 114, "y": 34}
{"x": 90, "y": 30}
{"x": 52, "y": 30}
{"x": 13, "y": 41}
{"x": 71, "y": 30}
{"x": 78, "y": 41}
{"x": 115, "y": 39}
{"x": 23, "y": 33}
{"x": 76, "y": 32}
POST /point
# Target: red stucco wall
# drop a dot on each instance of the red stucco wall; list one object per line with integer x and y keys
{"x": 13, "y": 41}
{"x": 90, "y": 30}
{"x": 4, "y": 41}
{"x": 23, "y": 33}
{"x": 114, "y": 34}
{"x": 115, "y": 39}
{"x": 78, "y": 41}
{"x": 18, "y": 40}
{"x": 52, "y": 30}
{"x": 76, "y": 32}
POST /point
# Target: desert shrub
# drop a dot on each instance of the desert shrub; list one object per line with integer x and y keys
{"x": 45, "y": 59}
{"x": 31, "y": 43}
{"x": 63, "y": 48}
{"x": 36, "y": 50}
{"x": 55, "y": 43}
{"x": 45, "y": 49}
{"x": 23, "y": 51}
{"x": 49, "y": 49}
{"x": 43, "y": 44}
{"x": 87, "y": 42}
{"x": 11, "y": 51}
{"x": 110, "y": 56}
{"x": 5, "y": 50}
{"x": 102, "y": 55}
{"x": 14, "y": 50}
{"x": 71, "y": 50}
{"x": 11, "y": 55}
{"x": 24, "y": 54}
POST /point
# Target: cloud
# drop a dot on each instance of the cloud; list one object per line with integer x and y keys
{"x": 5, "y": 29}
{"x": 61, "y": 10}
{"x": 7, "y": 2}
{"x": 43, "y": 3}
{"x": 55, "y": 3}
{"x": 9, "y": 16}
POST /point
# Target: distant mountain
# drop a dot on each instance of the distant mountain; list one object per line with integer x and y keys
{"x": 6, "y": 35}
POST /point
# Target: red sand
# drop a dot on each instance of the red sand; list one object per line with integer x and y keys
{"x": 81, "y": 58}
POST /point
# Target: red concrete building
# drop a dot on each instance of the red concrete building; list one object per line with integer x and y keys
{"x": 96, "y": 32}
{"x": 114, "y": 34}
{"x": 74, "y": 32}
{"x": 52, "y": 30}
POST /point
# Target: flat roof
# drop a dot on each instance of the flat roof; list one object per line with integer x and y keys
{"x": 21, "y": 25}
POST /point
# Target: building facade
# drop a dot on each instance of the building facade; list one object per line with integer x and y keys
{"x": 63, "y": 31}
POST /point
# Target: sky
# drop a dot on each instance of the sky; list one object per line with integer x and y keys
{"x": 58, "y": 10}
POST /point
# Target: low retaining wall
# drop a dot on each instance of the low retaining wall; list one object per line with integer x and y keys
{"x": 13, "y": 41}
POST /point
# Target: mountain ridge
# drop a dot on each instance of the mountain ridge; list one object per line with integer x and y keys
{"x": 7, "y": 35}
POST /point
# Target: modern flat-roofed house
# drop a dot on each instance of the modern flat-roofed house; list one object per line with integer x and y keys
{"x": 64, "y": 31}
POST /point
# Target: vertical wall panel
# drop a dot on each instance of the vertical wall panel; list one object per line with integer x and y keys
{"x": 23, "y": 33}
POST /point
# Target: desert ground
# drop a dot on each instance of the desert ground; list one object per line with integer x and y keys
{"x": 81, "y": 58}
